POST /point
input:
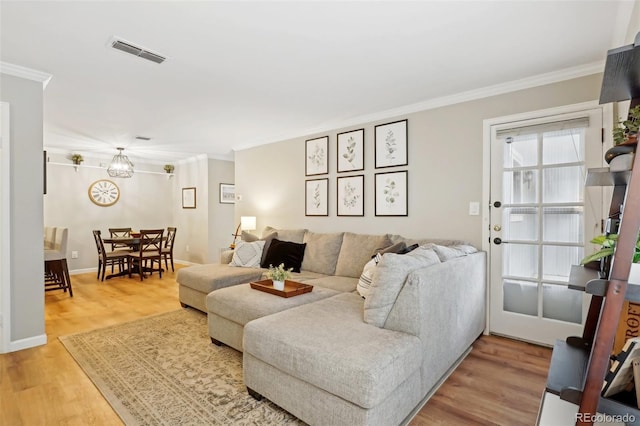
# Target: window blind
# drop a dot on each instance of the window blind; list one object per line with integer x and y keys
{"x": 574, "y": 123}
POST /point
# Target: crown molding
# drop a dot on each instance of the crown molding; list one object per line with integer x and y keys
{"x": 27, "y": 73}
{"x": 471, "y": 95}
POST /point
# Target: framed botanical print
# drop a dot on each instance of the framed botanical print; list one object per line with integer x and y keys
{"x": 316, "y": 154}
{"x": 351, "y": 195}
{"x": 391, "y": 144}
{"x": 351, "y": 151}
{"x": 391, "y": 190}
{"x": 227, "y": 193}
{"x": 316, "y": 197}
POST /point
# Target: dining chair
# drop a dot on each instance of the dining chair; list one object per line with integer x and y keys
{"x": 56, "y": 270}
{"x": 149, "y": 250}
{"x": 105, "y": 258}
{"x": 120, "y": 232}
{"x": 49, "y": 236}
{"x": 167, "y": 250}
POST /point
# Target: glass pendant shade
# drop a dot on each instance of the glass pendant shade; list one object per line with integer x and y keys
{"x": 120, "y": 166}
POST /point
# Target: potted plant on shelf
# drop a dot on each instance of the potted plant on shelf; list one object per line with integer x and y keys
{"x": 76, "y": 159}
{"x": 626, "y": 132}
{"x": 278, "y": 275}
{"x": 608, "y": 245}
{"x": 169, "y": 168}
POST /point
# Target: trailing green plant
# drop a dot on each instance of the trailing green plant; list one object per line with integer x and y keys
{"x": 608, "y": 244}
{"x": 279, "y": 273}
{"x": 627, "y": 127}
{"x": 77, "y": 158}
{"x": 169, "y": 168}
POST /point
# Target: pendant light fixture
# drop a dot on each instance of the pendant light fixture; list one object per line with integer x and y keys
{"x": 120, "y": 165}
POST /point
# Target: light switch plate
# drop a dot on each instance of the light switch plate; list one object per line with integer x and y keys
{"x": 474, "y": 208}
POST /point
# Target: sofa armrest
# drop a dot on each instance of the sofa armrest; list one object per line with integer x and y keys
{"x": 226, "y": 256}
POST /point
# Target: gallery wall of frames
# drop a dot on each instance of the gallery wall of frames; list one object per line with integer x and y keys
{"x": 347, "y": 149}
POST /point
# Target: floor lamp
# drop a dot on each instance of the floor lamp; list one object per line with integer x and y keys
{"x": 247, "y": 223}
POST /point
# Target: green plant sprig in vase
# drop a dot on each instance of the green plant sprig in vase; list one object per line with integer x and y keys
{"x": 608, "y": 243}
{"x": 278, "y": 275}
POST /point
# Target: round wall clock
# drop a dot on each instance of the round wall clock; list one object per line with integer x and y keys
{"x": 104, "y": 192}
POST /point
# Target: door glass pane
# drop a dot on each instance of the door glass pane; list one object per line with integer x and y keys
{"x": 520, "y": 223}
{"x": 520, "y": 297}
{"x": 557, "y": 261}
{"x": 521, "y": 151}
{"x": 520, "y": 187}
{"x": 563, "y": 185}
{"x": 561, "y": 303}
{"x": 564, "y": 146}
{"x": 520, "y": 260}
{"x": 563, "y": 224}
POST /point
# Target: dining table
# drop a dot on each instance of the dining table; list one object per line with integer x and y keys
{"x": 134, "y": 242}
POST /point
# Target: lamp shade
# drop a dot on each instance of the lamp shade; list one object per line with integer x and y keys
{"x": 248, "y": 223}
{"x": 120, "y": 166}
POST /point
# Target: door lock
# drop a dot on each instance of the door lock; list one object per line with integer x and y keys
{"x": 497, "y": 228}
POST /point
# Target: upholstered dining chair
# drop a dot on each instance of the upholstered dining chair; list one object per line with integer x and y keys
{"x": 105, "y": 258}
{"x": 56, "y": 270}
{"x": 149, "y": 251}
{"x": 167, "y": 250}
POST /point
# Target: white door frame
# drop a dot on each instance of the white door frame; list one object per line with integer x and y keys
{"x": 607, "y": 124}
{"x": 5, "y": 230}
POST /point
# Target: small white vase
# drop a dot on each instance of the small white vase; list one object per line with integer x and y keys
{"x": 278, "y": 285}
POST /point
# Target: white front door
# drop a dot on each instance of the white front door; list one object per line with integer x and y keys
{"x": 541, "y": 217}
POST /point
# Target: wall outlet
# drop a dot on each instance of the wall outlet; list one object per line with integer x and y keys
{"x": 187, "y": 249}
{"x": 74, "y": 254}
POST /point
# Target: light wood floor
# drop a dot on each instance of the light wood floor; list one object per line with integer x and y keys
{"x": 499, "y": 383}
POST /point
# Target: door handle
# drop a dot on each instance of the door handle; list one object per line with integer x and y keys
{"x": 497, "y": 241}
{"x": 497, "y": 204}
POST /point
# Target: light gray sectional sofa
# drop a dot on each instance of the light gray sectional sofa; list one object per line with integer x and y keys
{"x": 332, "y": 357}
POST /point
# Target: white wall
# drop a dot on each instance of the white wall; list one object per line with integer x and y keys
{"x": 27, "y": 256}
{"x": 145, "y": 203}
{"x": 445, "y": 168}
{"x": 221, "y": 222}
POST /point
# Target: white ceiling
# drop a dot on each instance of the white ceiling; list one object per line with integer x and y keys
{"x": 239, "y": 74}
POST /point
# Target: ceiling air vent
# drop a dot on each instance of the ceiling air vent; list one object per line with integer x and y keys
{"x": 137, "y": 51}
{"x": 143, "y": 138}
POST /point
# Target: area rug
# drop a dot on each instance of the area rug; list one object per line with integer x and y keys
{"x": 163, "y": 370}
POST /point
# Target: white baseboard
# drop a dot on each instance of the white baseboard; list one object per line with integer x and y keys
{"x": 82, "y": 271}
{"x": 29, "y": 342}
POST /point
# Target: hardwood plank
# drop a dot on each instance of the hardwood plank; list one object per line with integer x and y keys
{"x": 499, "y": 383}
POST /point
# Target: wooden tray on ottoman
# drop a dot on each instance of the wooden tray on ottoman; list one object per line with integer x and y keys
{"x": 291, "y": 288}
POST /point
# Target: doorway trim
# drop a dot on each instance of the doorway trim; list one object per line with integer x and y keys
{"x": 607, "y": 124}
{"x": 5, "y": 230}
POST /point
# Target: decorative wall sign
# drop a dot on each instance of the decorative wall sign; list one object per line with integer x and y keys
{"x": 189, "y": 198}
{"x": 391, "y": 144}
{"x": 351, "y": 196}
{"x": 351, "y": 151}
{"x": 317, "y": 156}
{"x": 317, "y": 197}
{"x": 391, "y": 194}
{"x": 227, "y": 193}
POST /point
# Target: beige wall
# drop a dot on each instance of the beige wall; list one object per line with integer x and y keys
{"x": 27, "y": 257}
{"x": 221, "y": 223}
{"x": 445, "y": 168}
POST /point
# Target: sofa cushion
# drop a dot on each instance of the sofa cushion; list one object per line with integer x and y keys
{"x": 321, "y": 253}
{"x": 286, "y": 252}
{"x": 451, "y": 252}
{"x": 343, "y": 356}
{"x": 242, "y": 304}
{"x": 249, "y": 237}
{"x": 389, "y": 277}
{"x": 293, "y": 235}
{"x": 206, "y": 278}
{"x": 334, "y": 282}
{"x": 423, "y": 241}
{"x": 247, "y": 254}
{"x": 356, "y": 251}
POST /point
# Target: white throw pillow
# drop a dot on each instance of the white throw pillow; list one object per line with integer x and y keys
{"x": 364, "y": 283}
{"x": 389, "y": 277}
{"x": 451, "y": 252}
{"x": 247, "y": 255}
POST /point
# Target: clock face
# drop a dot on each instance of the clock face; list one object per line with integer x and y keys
{"x": 104, "y": 192}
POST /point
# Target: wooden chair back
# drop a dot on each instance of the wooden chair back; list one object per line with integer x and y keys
{"x": 119, "y": 232}
{"x": 99, "y": 244}
{"x": 151, "y": 241}
{"x": 171, "y": 236}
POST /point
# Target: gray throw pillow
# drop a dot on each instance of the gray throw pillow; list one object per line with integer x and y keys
{"x": 451, "y": 252}
{"x": 248, "y": 237}
{"x": 389, "y": 277}
{"x": 293, "y": 235}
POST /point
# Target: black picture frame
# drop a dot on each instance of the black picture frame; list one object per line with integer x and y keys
{"x": 316, "y": 156}
{"x": 391, "y": 191}
{"x": 350, "y": 151}
{"x": 391, "y": 146}
{"x": 316, "y": 197}
{"x": 350, "y": 195}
